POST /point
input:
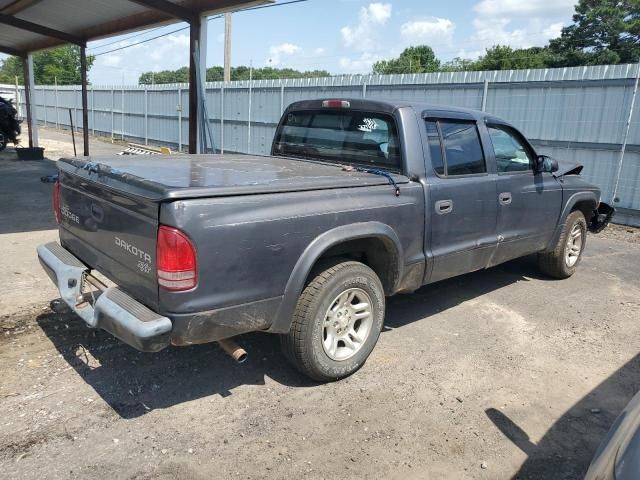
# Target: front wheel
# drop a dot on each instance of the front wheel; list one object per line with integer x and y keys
{"x": 337, "y": 321}
{"x": 563, "y": 261}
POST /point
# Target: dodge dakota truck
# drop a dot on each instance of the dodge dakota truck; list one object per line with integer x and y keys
{"x": 359, "y": 200}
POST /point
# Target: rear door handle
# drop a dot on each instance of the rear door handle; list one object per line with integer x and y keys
{"x": 505, "y": 198}
{"x": 444, "y": 206}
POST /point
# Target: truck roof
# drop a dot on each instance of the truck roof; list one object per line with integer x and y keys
{"x": 389, "y": 106}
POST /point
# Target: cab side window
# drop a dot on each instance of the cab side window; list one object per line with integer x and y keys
{"x": 455, "y": 147}
{"x": 512, "y": 154}
{"x": 435, "y": 147}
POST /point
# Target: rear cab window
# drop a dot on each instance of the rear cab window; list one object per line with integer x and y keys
{"x": 345, "y": 136}
{"x": 455, "y": 147}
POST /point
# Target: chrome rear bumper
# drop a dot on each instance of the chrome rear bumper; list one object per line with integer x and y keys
{"x": 113, "y": 311}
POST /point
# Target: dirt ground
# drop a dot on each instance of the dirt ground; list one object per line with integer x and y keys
{"x": 501, "y": 369}
{"x": 622, "y": 232}
{"x": 494, "y": 375}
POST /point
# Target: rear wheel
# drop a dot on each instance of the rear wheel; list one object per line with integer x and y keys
{"x": 563, "y": 261}
{"x": 3, "y": 141}
{"x": 337, "y": 321}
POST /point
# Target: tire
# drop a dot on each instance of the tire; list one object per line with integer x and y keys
{"x": 564, "y": 259}
{"x": 329, "y": 316}
{"x": 3, "y": 142}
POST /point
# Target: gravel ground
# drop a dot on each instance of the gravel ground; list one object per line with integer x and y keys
{"x": 493, "y": 375}
{"x": 622, "y": 232}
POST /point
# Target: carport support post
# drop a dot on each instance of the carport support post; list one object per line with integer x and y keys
{"x": 194, "y": 37}
{"x": 27, "y": 64}
{"x": 85, "y": 107}
{"x": 202, "y": 81}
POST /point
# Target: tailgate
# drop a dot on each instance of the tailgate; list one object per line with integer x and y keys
{"x": 113, "y": 231}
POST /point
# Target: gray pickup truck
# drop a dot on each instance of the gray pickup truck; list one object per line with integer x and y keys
{"x": 359, "y": 200}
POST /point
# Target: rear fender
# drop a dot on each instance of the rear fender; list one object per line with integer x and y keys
{"x": 315, "y": 250}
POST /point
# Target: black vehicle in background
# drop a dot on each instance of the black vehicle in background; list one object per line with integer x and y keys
{"x": 9, "y": 124}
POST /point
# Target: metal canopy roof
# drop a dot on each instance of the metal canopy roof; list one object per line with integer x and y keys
{"x": 29, "y": 25}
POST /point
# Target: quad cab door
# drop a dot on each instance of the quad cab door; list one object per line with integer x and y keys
{"x": 528, "y": 202}
{"x": 462, "y": 196}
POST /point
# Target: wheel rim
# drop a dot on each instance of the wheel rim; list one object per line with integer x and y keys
{"x": 574, "y": 246}
{"x": 347, "y": 324}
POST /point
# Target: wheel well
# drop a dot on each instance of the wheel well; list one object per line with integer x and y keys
{"x": 586, "y": 207}
{"x": 378, "y": 254}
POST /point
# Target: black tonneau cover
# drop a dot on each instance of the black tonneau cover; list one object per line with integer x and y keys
{"x": 165, "y": 177}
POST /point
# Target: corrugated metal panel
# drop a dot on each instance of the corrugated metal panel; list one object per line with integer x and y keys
{"x": 599, "y": 165}
{"x": 589, "y": 105}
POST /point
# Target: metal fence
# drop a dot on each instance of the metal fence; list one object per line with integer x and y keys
{"x": 575, "y": 113}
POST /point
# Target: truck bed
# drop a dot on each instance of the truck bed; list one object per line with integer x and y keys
{"x": 110, "y": 206}
{"x": 169, "y": 177}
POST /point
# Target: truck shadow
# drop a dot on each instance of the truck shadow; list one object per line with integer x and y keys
{"x": 566, "y": 449}
{"x": 134, "y": 383}
{"x": 438, "y": 297}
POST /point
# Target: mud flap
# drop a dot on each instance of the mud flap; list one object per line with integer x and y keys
{"x": 601, "y": 218}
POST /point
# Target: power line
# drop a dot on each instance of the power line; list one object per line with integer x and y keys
{"x": 272, "y": 5}
{"x": 290, "y": 2}
{"x": 139, "y": 34}
{"x": 140, "y": 42}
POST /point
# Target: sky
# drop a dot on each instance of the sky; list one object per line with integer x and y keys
{"x": 341, "y": 36}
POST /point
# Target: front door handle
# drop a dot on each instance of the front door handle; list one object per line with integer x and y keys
{"x": 444, "y": 206}
{"x": 505, "y": 198}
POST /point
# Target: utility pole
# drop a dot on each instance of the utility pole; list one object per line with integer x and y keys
{"x": 227, "y": 47}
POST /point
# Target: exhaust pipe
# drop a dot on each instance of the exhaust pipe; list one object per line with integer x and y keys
{"x": 234, "y": 350}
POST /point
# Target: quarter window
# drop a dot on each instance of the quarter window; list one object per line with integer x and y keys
{"x": 455, "y": 147}
{"x": 435, "y": 147}
{"x": 512, "y": 154}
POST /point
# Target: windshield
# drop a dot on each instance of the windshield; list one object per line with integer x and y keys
{"x": 341, "y": 136}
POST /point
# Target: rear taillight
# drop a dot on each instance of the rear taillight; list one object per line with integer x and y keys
{"x": 56, "y": 200}
{"x": 176, "y": 260}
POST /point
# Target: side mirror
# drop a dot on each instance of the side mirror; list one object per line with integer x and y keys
{"x": 546, "y": 164}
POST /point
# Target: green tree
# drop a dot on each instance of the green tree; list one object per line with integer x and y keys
{"x": 419, "y": 59}
{"x": 61, "y": 64}
{"x": 181, "y": 75}
{"x": 215, "y": 74}
{"x": 603, "y": 31}
{"x": 458, "y": 64}
{"x": 503, "y": 57}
